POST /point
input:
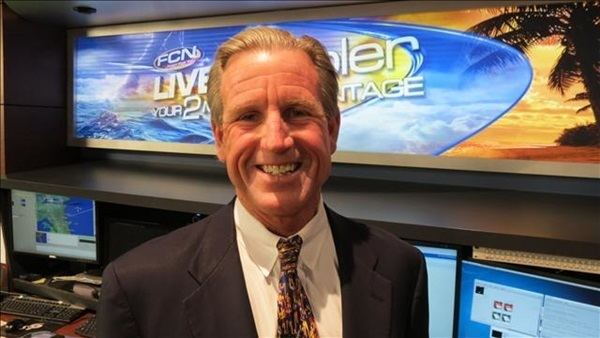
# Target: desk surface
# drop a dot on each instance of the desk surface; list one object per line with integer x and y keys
{"x": 67, "y": 330}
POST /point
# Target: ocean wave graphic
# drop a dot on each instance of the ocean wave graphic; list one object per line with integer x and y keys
{"x": 145, "y": 127}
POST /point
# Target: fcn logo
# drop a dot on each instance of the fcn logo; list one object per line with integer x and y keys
{"x": 177, "y": 58}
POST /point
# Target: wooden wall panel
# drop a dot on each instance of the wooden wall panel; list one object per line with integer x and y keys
{"x": 33, "y": 128}
{"x": 35, "y": 137}
{"x": 35, "y": 62}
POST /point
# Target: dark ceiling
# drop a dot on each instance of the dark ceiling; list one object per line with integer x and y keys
{"x": 118, "y": 12}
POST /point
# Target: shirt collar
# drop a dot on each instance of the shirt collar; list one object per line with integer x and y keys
{"x": 261, "y": 244}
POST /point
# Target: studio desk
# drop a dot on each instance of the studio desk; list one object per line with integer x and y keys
{"x": 540, "y": 222}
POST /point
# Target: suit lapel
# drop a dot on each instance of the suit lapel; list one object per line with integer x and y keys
{"x": 366, "y": 295}
{"x": 219, "y": 307}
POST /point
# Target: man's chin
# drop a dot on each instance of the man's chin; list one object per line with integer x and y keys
{"x": 279, "y": 205}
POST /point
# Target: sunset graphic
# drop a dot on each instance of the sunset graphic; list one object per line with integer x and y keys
{"x": 531, "y": 128}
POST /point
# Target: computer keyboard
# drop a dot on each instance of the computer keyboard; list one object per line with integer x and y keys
{"x": 48, "y": 310}
{"x": 88, "y": 329}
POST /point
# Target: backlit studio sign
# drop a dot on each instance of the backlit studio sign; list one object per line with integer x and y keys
{"x": 403, "y": 88}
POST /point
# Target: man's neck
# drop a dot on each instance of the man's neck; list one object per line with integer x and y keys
{"x": 284, "y": 225}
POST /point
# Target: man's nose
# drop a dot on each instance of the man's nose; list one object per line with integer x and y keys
{"x": 276, "y": 133}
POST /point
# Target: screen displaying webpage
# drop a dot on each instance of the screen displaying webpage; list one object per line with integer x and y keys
{"x": 501, "y": 303}
{"x": 441, "y": 277}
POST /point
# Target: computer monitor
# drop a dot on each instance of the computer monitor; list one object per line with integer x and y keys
{"x": 54, "y": 226}
{"x": 503, "y": 302}
{"x": 442, "y": 276}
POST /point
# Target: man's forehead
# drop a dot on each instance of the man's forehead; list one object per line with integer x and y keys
{"x": 284, "y": 82}
{"x": 288, "y": 72}
{"x": 257, "y": 62}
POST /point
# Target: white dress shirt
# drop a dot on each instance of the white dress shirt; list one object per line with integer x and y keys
{"x": 317, "y": 269}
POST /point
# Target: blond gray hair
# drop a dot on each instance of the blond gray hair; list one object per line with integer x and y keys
{"x": 270, "y": 38}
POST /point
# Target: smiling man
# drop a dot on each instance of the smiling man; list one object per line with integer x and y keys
{"x": 275, "y": 137}
{"x": 276, "y": 262}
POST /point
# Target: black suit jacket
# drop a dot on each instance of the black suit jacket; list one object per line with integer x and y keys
{"x": 190, "y": 283}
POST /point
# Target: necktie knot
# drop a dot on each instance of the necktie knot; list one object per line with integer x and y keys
{"x": 288, "y": 251}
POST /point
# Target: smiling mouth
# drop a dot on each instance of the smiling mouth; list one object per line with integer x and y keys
{"x": 280, "y": 169}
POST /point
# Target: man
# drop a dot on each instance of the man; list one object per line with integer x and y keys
{"x": 276, "y": 261}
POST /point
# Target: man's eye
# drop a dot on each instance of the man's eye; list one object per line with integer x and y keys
{"x": 248, "y": 117}
{"x": 295, "y": 112}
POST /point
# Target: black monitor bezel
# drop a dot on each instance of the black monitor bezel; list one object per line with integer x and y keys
{"x": 10, "y": 233}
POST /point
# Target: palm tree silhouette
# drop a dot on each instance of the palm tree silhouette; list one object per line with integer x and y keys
{"x": 581, "y": 97}
{"x": 578, "y": 27}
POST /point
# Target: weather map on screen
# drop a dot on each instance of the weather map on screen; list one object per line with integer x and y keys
{"x": 64, "y": 215}
{"x": 54, "y": 225}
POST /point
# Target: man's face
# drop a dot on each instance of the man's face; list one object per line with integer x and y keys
{"x": 275, "y": 139}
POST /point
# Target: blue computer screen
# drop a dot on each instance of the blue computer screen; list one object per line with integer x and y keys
{"x": 441, "y": 275}
{"x": 504, "y": 303}
{"x": 54, "y": 225}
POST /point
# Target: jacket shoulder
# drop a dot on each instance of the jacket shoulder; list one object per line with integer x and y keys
{"x": 170, "y": 251}
{"x": 384, "y": 244}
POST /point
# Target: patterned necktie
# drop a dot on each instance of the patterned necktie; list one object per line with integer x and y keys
{"x": 294, "y": 314}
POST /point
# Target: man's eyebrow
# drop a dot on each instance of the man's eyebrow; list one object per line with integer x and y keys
{"x": 299, "y": 102}
{"x": 242, "y": 106}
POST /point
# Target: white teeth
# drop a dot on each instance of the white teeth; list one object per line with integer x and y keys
{"x": 277, "y": 170}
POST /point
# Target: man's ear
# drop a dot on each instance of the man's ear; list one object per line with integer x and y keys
{"x": 218, "y": 135}
{"x": 333, "y": 128}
